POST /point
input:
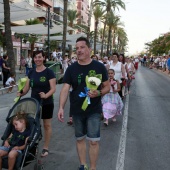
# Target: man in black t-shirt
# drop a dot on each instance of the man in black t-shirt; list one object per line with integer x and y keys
{"x": 89, "y": 81}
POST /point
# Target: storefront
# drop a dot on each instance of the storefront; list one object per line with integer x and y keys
{"x": 17, "y": 50}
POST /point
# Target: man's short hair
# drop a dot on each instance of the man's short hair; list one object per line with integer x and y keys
{"x": 83, "y": 39}
{"x": 38, "y": 52}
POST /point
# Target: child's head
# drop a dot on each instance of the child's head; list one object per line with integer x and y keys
{"x": 19, "y": 121}
{"x": 111, "y": 73}
{"x": 12, "y": 75}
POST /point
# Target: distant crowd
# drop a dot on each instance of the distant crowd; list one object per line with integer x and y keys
{"x": 158, "y": 62}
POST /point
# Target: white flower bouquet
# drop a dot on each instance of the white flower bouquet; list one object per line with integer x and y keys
{"x": 93, "y": 81}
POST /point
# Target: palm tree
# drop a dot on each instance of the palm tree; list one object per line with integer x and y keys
{"x": 103, "y": 37}
{"x": 64, "y": 27}
{"x": 121, "y": 40}
{"x": 8, "y": 36}
{"x": 98, "y": 13}
{"x": 71, "y": 15}
{"x": 112, "y": 22}
{"x": 108, "y": 5}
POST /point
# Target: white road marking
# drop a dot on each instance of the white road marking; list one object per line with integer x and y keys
{"x": 122, "y": 144}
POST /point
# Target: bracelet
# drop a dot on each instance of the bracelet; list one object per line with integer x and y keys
{"x": 98, "y": 91}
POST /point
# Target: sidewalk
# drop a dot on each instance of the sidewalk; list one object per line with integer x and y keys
{"x": 18, "y": 76}
{"x": 163, "y": 72}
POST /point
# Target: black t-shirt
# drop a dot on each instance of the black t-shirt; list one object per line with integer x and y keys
{"x": 75, "y": 76}
{"x": 6, "y": 64}
{"x": 18, "y": 138}
{"x": 39, "y": 82}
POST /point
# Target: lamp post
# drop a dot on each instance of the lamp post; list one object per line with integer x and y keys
{"x": 48, "y": 23}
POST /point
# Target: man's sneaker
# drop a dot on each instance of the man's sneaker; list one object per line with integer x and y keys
{"x": 83, "y": 167}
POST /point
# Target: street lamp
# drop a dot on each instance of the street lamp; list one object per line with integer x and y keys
{"x": 48, "y": 23}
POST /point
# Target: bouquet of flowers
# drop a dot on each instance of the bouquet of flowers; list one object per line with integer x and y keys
{"x": 21, "y": 84}
{"x": 112, "y": 83}
{"x": 93, "y": 81}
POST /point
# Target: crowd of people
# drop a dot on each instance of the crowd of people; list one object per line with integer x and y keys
{"x": 96, "y": 87}
{"x": 158, "y": 62}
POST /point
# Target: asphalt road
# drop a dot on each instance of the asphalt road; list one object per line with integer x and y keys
{"x": 148, "y": 130}
{"x": 143, "y": 130}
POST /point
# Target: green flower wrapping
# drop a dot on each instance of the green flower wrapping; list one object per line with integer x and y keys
{"x": 21, "y": 85}
{"x": 93, "y": 81}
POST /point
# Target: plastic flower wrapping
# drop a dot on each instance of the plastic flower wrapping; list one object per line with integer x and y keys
{"x": 21, "y": 85}
{"x": 93, "y": 81}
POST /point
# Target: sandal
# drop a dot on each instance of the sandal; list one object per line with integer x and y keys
{"x": 70, "y": 122}
{"x": 44, "y": 152}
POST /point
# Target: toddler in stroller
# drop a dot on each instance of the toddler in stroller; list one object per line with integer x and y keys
{"x": 22, "y": 136}
{"x": 16, "y": 142}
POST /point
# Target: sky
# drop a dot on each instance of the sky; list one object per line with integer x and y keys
{"x": 144, "y": 20}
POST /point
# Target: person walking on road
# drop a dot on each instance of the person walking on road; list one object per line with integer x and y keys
{"x": 130, "y": 72}
{"x": 89, "y": 81}
{"x": 22, "y": 64}
{"x": 42, "y": 81}
{"x": 112, "y": 103}
{"x": 28, "y": 64}
{"x": 119, "y": 69}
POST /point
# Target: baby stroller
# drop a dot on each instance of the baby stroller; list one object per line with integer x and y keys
{"x": 32, "y": 109}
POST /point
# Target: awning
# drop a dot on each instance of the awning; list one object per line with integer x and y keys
{"x": 38, "y": 29}
{"x": 70, "y": 38}
{"x": 21, "y": 11}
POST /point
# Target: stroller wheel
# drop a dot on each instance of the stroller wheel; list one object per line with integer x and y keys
{"x": 38, "y": 167}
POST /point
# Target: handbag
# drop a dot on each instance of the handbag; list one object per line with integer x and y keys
{"x": 26, "y": 65}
